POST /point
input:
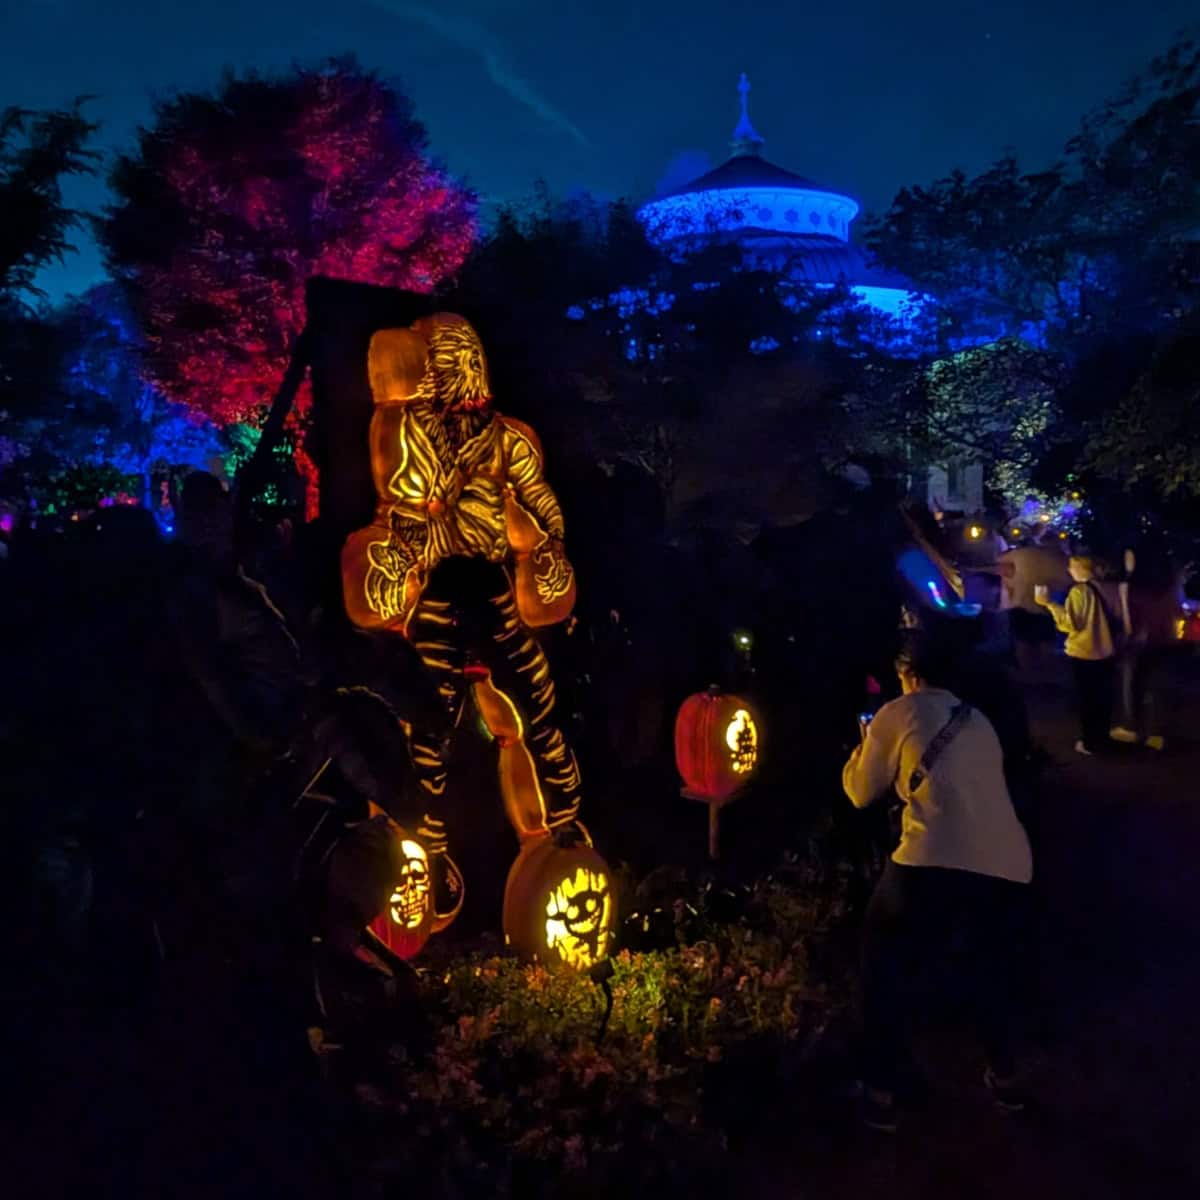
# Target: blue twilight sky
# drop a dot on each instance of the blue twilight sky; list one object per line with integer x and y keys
{"x": 604, "y": 95}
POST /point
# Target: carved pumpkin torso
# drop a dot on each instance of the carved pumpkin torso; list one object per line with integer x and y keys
{"x": 451, "y": 479}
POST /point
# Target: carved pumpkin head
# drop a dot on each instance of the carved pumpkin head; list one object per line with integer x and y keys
{"x": 457, "y": 374}
{"x": 717, "y": 744}
{"x": 559, "y": 906}
{"x": 438, "y": 358}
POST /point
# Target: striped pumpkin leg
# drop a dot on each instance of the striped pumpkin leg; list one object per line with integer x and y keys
{"x": 435, "y": 638}
{"x": 521, "y": 671}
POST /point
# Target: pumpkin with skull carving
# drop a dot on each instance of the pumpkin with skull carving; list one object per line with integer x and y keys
{"x": 559, "y": 906}
{"x": 406, "y": 922}
{"x": 379, "y": 876}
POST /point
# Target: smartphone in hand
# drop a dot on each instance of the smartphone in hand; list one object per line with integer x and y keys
{"x": 864, "y": 720}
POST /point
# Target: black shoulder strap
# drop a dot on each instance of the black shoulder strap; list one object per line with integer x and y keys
{"x": 933, "y": 751}
{"x": 1103, "y": 603}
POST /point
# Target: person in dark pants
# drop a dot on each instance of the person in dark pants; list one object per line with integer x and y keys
{"x": 1153, "y": 600}
{"x": 963, "y": 856}
{"x": 1087, "y": 618}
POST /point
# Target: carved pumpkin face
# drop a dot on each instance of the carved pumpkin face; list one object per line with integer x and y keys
{"x": 717, "y": 744}
{"x": 409, "y": 901}
{"x": 579, "y": 918}
{"x": 457, "y": 375}
{"x": 405, "y": 916}
{"x": 558, "y": 905}
{"x": 741, "y": 736}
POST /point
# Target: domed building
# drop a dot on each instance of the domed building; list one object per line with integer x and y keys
{"x": 781, "y": 220}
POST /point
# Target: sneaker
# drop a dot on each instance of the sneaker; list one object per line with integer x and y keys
{"x": 1080, "y": 748}
{"x": 1119, "y": 733}
{"x": 1156, "y": 741}
{"x": 877, "y": 1110}
{"x": 1005, "y": 1093}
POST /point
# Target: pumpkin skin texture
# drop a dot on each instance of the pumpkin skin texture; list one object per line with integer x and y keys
{"x": 524, "y": 804}
{"x": 717, "y": 744}
{"x": 559, "y": 907}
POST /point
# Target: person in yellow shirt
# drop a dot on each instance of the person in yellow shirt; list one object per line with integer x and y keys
{"x": 1087, "y": 618}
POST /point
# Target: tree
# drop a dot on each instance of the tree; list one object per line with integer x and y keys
{"x": 1149, "y": 439}
{"x": 723, "y": 385}
{"x": 37, "y": 150}
{"x": 234, "y": 199}
{"x": 1100, "y": 245}
{"x": 134, "y": 428}
{"x": 994, "y": 405}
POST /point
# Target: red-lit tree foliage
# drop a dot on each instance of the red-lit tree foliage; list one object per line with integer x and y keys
{"x": 234, "y": 199}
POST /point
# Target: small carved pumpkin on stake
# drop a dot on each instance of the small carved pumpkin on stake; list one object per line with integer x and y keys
{"x": 717, "y": 744}
{"x": 559, "y": 906}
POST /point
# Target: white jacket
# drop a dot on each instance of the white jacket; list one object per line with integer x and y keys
{"x": 960, "y": 816}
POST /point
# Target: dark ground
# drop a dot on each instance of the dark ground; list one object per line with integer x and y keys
{"x": 1114, "y": 1059}
{"x": 1113, "y": 1063}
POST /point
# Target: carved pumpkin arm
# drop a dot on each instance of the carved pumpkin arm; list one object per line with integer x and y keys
{"x": 525, "y": 474}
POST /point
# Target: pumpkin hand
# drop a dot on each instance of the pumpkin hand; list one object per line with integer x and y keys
{"x": 552, "y": 573}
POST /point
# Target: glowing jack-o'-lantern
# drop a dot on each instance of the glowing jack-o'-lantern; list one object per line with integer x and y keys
{"x": 384, "y": 873}
{"x": 741, "y": 736}
{"x": 409, "y": 901}
{"x": 717, "y": 744}
{"x": 559, "y": 906}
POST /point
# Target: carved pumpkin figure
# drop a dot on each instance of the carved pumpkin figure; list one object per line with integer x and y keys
{"x": 559, "y": 906}
{"x": 717, "y": 742}
{"x": 457, "y": 481}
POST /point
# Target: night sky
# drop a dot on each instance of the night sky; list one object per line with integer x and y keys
{"x": 864, "y": 97}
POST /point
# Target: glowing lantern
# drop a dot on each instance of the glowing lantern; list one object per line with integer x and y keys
{"x": 379, "y": 877}
{"x": 974, "y": 532}
{"x": 716, "y": 744}
{"x": 559, "y": 906}
{"x": 406, "y": 923}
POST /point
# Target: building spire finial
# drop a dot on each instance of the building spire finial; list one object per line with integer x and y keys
{"x": 745, "y": 138}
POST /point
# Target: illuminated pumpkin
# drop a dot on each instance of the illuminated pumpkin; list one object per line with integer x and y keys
{"x": 442, "y": 494}
{"x": 381, "y": 576}
{"x": 544, "y": 580}
{"x": 379, "y": 877}
{"x": 524, "y": 804}
{"x": 717, "y": 744}
{"x": 558, "y": 904}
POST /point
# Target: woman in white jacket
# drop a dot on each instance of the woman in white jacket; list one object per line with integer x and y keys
{"x": 962, "y": 854}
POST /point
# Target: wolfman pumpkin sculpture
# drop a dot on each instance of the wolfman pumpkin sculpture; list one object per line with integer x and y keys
{"x": 456, "y": 480}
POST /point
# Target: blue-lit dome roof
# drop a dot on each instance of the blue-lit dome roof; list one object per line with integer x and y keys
{"x": 745, "y": 171}
{"x": 776, "y": 216}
